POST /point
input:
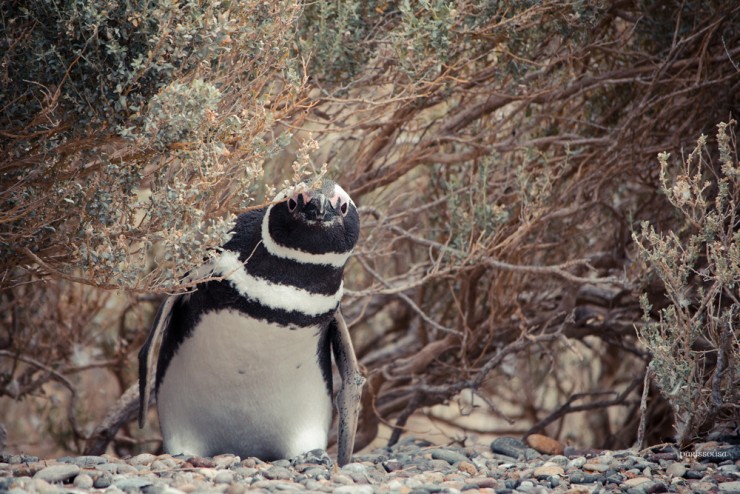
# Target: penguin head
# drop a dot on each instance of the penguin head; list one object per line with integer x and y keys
{"x": 315, "y": 218}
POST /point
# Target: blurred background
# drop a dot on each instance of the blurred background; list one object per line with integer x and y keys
{"x": 548, "y": 192}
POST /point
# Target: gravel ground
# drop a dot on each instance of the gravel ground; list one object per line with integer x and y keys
{"x": 505, "y": 466}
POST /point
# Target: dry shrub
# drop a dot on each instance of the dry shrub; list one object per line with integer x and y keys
{"x": 127, "y": 149}
{"x": 501, "y": 152}
{"x": 693, "y": 340}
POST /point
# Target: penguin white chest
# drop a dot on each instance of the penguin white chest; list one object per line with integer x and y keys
{"x": 242, "y": 386}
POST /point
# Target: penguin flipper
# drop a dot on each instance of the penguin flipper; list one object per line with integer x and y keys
{"x": 147, "y": 359}
{"x": 350, "y": 391}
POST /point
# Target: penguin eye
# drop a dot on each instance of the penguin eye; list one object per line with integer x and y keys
{"x": 292, "y": 204}
{"x": 344, "y": 208}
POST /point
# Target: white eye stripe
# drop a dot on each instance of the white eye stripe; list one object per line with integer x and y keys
{"x": 341, "y": 194}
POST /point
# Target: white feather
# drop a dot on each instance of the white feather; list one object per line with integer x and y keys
{"x": 247, "y": 387}
{"x": 272, "y": 295}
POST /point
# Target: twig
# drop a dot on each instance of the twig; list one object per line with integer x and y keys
{"x": 71, "y": 414}
{"x": 554, "y": 270}
{"x": 567, "y": 407}
{"x": 408, "y": 301}
{"x": 643, "y": 409}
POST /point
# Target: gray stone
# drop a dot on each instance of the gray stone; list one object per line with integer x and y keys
{"x": 312, "y": 484}
{"x": 83, "y": 481}
{"x": 277, "y": 473}
{"x": 530, "y": 454}
{"x": 578, "y": 477}
{"x": 160, "y": 489}
{"x": 354, "y": 489}
{"x": 226, "y": 460}
{"x": 245, "y": 472}
{"x": 392, "y": 465}
{"x": 277, "y": 485}
{"x": 58, "y": 473}
{"x": 18, "y": 459}
{"x": 635, "y": 490}
{"x": 158, "y": 465}
{"x": 236, "y": 488}
{"x": 314, "y": 457}
{"x": 694, "y": 474}
{"x": 111, "y": 468}
{"x": 316, "y": 472}
{"x": 733, "y": 486}
{"x": 615, "y": 478}
{"x": 84, "y": 461}
{"x": 103, "y": 481}
{"x": 224, "y": 477}
{"x": 525, "y": 485}
{"x": 125, "y": 468}
{"x": 142, "y": 459}
{"x": 596, "y": 467}
{"x": 354, "y": 468}
{"x": 577, "y": 462}
{"x": 676, "y": 470}
{"x": 511, "y": 483}
{"x": 343, "y": 479}
{"x": 703, "y": 487}
{"x": 126, "y": 483}
{"x": 43, "y": 487}
{"x": 449, "y": 456}
{"x": 559, "y": 460}
{"x": 508, "y": 446}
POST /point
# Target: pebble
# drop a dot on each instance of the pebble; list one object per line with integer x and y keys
{"x": 225, "y": 477}
{"x": 733, "y": 486}
{"x": 277, "y": 473}
{"x": 676, "y": 470}
{"x": 354, "y": 489}
{"x": 85, "y": 461}
{"x": 83, "y": 481}
{"x": 467, "y": 467}
{"x": 449, "y": 456}
{"x": 545, "y": 444}
{"x": 103, "y": 481}
{"x": 577, "y": 462}
{"x": 142, "y": 459}
{"x": 548, "y": 470}
{"x": 596, "y": 467}
{"x": 507, "y": 465}
{"x": 634, "y": 482}
{"x": 560, "y": 460}
{"x": 508, "y": 446}
{"x": 58, "y": 473}
{"x": 125, "y": 482}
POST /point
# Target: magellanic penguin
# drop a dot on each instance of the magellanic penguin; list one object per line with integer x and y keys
{"x": 244, "y": 365}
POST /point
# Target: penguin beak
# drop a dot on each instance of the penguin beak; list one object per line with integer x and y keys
{"x": 317, "y": 208}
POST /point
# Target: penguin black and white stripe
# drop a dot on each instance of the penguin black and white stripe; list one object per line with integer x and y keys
{"x": 245, "y": 360}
